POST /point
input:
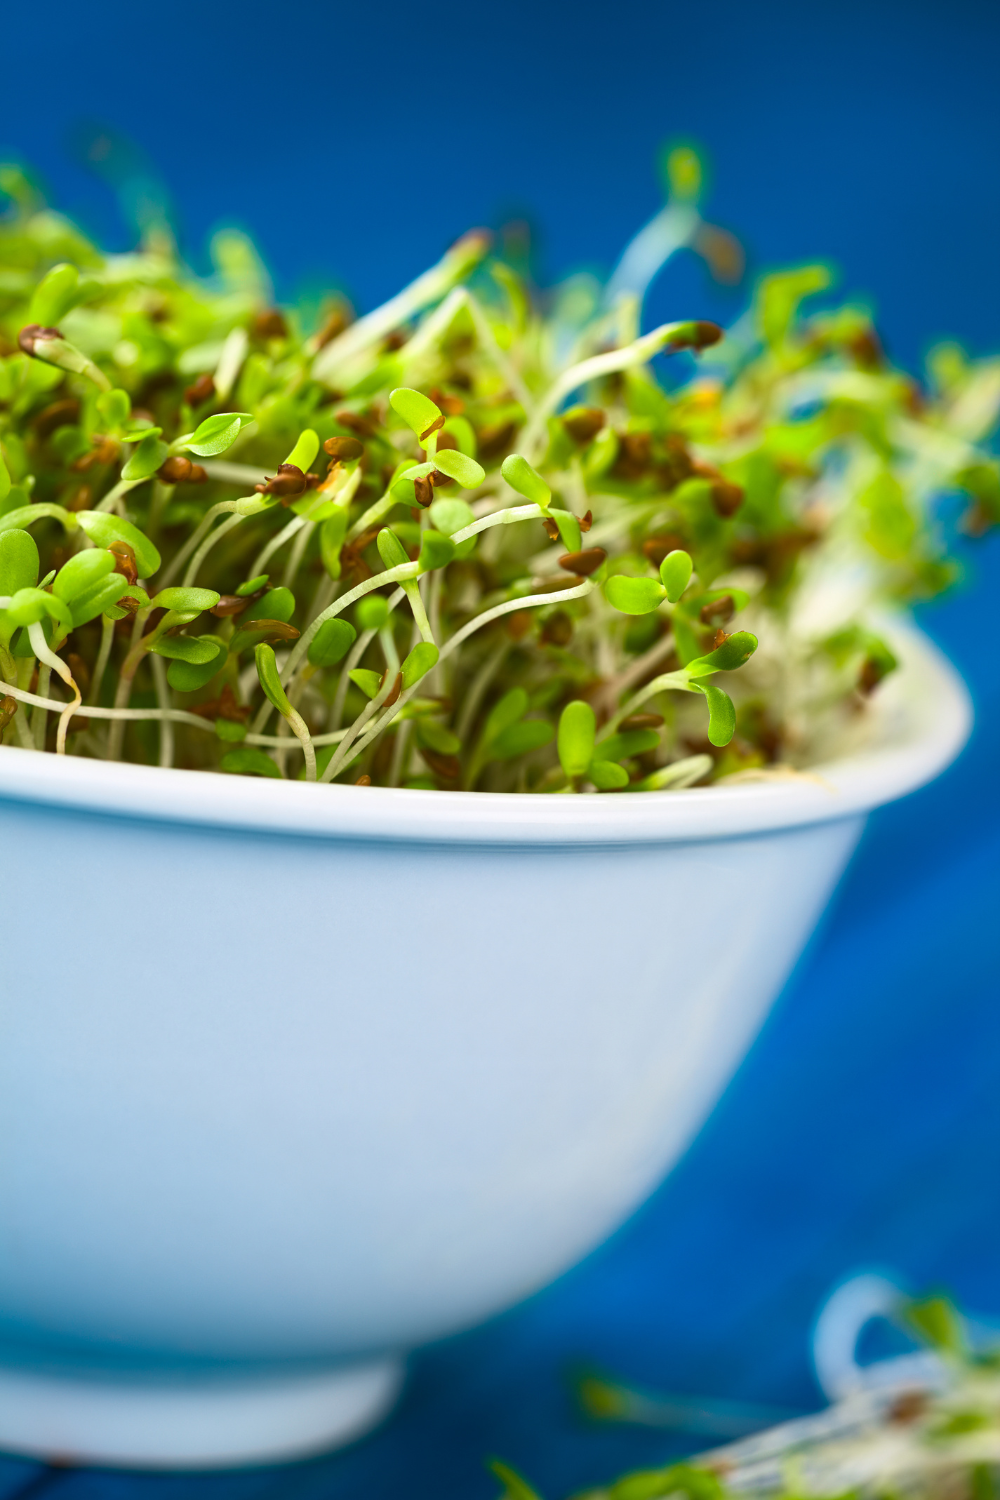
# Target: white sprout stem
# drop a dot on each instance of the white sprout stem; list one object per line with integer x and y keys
{"x": 456, "y": 640}
{"x": 299, "y": 728}
{"x": 428, "y": 287}
{"x": 135, "y": 715}
{"x": 39, "y": 645}
{"x": 505, "y": 517}
{"x": 412, "y": 591}
{"x": 195, "y": 539}
{"x": 228, "y": 473}
{"x": 161, "y": 494}
{"x": 207, "y": 545}
{"x": 174, "y": 716}
{"x": 104, "y": 652}
{"x": 159, "y": 667}
{"x": 399, "y": 752}
{"x": 460, "y": 297}
{"x": 609, "y": 363}
{"x": 477, "y": 688}
{"x": 234, "y": 352}
{"x": 278, "y": 540}
{"x": 388, "y": 645}
{"x": 678, "y": 682}
{"x": 403, "y": 572}
{"x": 112, "y": 500}
{"x": 339, "y": 758}
{"x": 20, "y": 718}
{"x": 357, "y": 651}
{"x": 298, "y": 552}
{"x": 645, "y": 255}
{"x": 379, "y": 508}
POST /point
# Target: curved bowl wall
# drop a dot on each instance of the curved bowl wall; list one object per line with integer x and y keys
{"x": 310, "y": 1078}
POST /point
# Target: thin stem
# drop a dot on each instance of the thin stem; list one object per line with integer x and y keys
{"x": 456, "y": 640}
{"x": 477, "y": 688}
{"x": 399, "y": 752}
{"x": 271, "y": 547}
{"x": 357, "y": 651}
{"x": 298, "y": 552}
{"x": 402, "y": 573}
{"x": 194, "y": 540}
{"x": 159, "y": 667}
{"x": 100, "y": 666}
{"x": 207, "y": 545}
{"x": 668, "y": 682}
{"x": 339, "y": 758}
{"x": 299, "y": 728}
{"x": 112, "y": 501}
{"x": 609, "y": 363}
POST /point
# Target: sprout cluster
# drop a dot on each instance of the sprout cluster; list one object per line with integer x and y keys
{"x": 479, "y": 538}
{"x": 925, "y": 1437}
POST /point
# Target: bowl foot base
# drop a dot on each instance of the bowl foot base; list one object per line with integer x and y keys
{"x": 200, "y": 1422}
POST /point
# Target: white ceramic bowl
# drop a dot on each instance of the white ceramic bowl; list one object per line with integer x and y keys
{"x": 294, "y": 1078}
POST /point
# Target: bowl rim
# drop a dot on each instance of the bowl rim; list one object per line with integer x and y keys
{"x": 920, "y": 720}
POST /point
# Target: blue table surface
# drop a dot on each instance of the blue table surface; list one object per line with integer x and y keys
{"x": 864, "y": 1128}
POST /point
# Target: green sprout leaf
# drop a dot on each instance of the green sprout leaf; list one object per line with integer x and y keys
{"x": 186, "y": 600}
{"x": 219, "y": 432}
{"x": 270, "y": 678}
{"x": 195, "y": 650}
{"x": 104, "y": 529}
{"x": 450, "y": 515}
{"x": 18, "y": 561}
{"x": 369, "y": 682}
{"x": 261, "y": 630}
{"x": 331, "y": 643}
{"x": 504, "y": 713}
{"x": 81, "y": 572}
{"x": 31, "y": 605}
{"x": 569, "y": 529}
{"x": 729, "y": 657}
{"x": 630, "y": 742}
{"x": 436, "y": 551}
{"x": 936, "y": 1321}
{"x": 577, "y": 731}
{"x": 515, "y": 1488}
{"x": 634, "y": 596}
{"x": 276, "y": 604}
{"x": 607, "y": 776}
{"x": 187, "y": 676}
{"x": 421, "y": 659}
{"x": 331, "y": 539}
{"x": 721, "y": 713}
{"x": 113, "y": 408}
{"x": 249, "y": 761}
{"x": 132, "y": 592}
{"x": 147, "y": 458}
{"x": 54, "y": 296}
{"x": 98, "y": 599}
{"x": 305, "y": 450}
{"x": 418, "y": 411}
{"x": 526, "y": 481}
{"x": 390, "y": 548}
{"x": 675, "y": 573}
{"x": 252, "y": 585}
{"x": 521, "y": 739}
{"x": 460, "y": 467}
{"x": 372, "y": 611}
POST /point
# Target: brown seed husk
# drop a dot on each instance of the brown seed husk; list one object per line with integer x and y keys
{"x": 583, "y": 563}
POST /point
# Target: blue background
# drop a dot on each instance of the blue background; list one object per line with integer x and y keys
{"x": 356, "y": 141}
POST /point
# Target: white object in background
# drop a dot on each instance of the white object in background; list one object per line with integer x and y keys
{"x": 295, "y": 1078}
